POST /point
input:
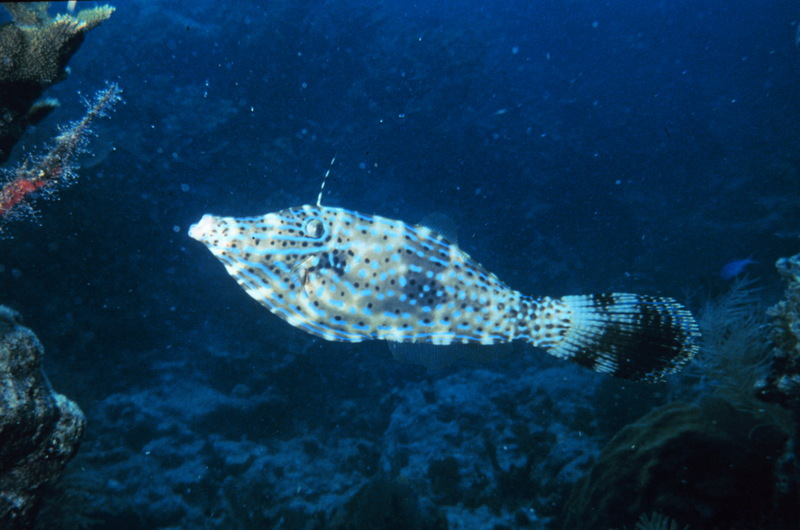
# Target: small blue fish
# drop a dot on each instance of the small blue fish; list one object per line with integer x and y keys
{"x": 735, "y": 268}
{"x": 346, "y": 276}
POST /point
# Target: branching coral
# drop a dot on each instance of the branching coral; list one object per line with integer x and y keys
{"x": 34, "y": 51}
{"x": 37, "y": 50}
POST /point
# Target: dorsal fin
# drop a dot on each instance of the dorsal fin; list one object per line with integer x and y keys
{"x": 442, "y": 224}
{"x": 324, "y": 179}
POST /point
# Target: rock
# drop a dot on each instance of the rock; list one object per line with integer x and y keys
{"x": 40, "y": 430}
{"x": 782, "y": 383}
{"x": 385, "y": 503}
{"x": 705, "y": 465}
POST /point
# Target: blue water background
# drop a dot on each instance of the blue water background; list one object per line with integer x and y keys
{"x": 579, "y": 146}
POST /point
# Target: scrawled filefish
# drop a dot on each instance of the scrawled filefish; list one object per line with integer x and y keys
{"x": 346, "y": 276}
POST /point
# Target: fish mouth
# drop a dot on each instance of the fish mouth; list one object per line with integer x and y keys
{"x": 203, "y": 228}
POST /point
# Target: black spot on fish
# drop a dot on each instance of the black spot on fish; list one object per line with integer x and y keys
{"x": 604, "y": 301}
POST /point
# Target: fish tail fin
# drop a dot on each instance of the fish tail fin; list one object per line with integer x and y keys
{"x": 637, "y": 337}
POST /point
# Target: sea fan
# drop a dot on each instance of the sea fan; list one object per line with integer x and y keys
{"x": 735, "y": 350}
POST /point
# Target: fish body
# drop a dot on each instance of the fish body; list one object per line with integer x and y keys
{"x": 735, "y": 268}
{"x": 346, "y": 276}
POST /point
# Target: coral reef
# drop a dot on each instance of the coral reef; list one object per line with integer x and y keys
{"x": 782, "y": 383}
{"x": 40, "y": 430}
{"x": 707, "y": 465}
{"x": 472, "y": 449}
{"x": 729, "y": 460}
{"x": 34, "y": 51}
{"x": 383, "y": 503}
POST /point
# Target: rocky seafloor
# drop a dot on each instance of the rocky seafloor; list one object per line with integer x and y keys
{"x": 342, "y": 436}
{"x": 483, "y": 446}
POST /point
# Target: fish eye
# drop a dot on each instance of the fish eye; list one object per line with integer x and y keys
{"x": 314, "y": 228}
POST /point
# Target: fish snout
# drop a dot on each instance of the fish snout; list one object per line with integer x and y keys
{"x": 202, "y": 229}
